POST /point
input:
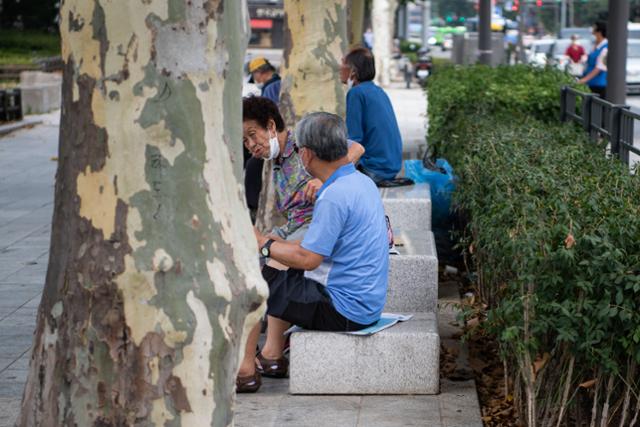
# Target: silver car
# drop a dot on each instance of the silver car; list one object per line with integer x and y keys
{"x": 633, "y": 66}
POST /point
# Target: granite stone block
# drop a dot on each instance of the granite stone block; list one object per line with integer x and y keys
{"x": 408, "y": 208}
{"x": 413, "y": 275}
{"x": 403, "y": 359}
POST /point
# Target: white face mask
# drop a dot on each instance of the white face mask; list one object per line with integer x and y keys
{"x": 274, "y": 147}
{"x": 349, "y": 83}
{"x": 303, "y": 168}
{"x": 259, "y": 85}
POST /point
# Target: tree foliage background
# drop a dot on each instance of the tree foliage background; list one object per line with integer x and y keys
{"x": 29, "y": 14}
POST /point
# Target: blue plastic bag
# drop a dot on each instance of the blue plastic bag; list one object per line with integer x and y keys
{"x": 442, "y": 183}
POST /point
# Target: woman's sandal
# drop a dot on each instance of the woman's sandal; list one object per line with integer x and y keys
{"x": 249, "y": 383}
{"x": 274, "y": 368}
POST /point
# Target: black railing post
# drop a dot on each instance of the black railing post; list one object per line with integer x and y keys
{"x": 3, "y": 110}
{"x": 615, "y": 128}
{"x": 586, "y": 111}
{"x": 563, "y": 104}
{"x": 627, "y": 137}
{"x": 18, "y": 102}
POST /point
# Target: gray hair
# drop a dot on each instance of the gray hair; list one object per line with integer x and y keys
{"x": 323, "y": 133}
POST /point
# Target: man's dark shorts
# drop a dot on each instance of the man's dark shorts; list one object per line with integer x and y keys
{"x": 303, "y": 302}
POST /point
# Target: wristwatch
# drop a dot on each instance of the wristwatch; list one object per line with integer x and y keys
{"x": 265, "y": 251}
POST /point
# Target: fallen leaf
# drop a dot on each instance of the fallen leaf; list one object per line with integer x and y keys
{"x": 540, "y": 362}
{"x": 54, "y": 159}
{"x": 570, "y": 241}
{"x": 472, "y": 323}
{"x": 588, "y": 384}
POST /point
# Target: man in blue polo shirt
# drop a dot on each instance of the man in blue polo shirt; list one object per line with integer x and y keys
{"x": 371, "y": 120}
{"x": 337, "y": 277}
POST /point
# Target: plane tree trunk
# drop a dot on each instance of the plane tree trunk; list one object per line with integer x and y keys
{"x": 153, "y": 278}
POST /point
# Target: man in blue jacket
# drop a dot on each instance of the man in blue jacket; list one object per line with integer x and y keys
{"x": 371, "y": 120}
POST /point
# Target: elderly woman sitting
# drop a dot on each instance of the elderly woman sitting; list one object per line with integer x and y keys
{"x": 264, "y": 134}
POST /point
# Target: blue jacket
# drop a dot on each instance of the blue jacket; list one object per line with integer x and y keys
{"x": 371, "y": 121}
{"x": 271, "y": 88}
{"x": 601, "y": 79}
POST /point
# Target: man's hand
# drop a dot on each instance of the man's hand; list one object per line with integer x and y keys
{"x": 311, "y": 190}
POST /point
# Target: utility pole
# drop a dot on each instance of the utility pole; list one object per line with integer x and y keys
{"x": 617, "y": 53}
{"x": 521, "y": 29}
{"x": 484, "y": 33}
{"x": 563, "y": 15}
{"x": 572, "y": 10}
{"x": 426, "y": 22}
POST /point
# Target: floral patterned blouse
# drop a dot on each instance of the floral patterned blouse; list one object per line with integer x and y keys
{"x": 290, "y": 180}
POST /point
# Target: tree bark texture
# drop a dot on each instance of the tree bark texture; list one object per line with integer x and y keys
{"x": 356, "y": 21}
{"x": 153, "y": 279}
{"x": 382, "y": 15}
{"x": 315, "y": 40}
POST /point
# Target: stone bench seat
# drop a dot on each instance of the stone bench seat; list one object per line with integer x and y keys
{"x": 408, "y": 208}
{"x": 413, "y": 274}
{"x": 403, "y": 359}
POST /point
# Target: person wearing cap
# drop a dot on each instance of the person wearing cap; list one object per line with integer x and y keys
{"x": 265, "y": 77}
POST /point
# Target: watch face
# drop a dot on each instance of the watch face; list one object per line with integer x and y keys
{"x": 265, "y": 251}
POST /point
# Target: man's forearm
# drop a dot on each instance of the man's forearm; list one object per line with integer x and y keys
{"x": 292, "y": 255}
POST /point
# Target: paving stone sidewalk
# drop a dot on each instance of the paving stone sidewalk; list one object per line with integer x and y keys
{"x": 27, "y": 170}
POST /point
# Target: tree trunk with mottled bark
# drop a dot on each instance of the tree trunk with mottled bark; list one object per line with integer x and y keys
{"x": 356, "y": 21}
{"x": 382, "y": 15}
{"x": 315, "y": 41}
{"x": 153, "y": 279}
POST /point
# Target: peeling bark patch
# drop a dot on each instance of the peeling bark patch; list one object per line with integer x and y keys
{"x": 214, "y": 9}
{"x": 75, "y": 24}
{"x": 288, "y": 41}
{"x": 178, "y": 394}
{"x": 100, "y": 33}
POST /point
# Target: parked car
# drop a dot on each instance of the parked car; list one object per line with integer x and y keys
{"x": 539, "y": 52}
{"x": 633, "y": 30}
{"x": 633, "y": 66}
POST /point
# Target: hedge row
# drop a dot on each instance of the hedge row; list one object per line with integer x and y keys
{"x": 554, "y": 232}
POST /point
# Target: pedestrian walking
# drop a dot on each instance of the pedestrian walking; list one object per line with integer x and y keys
{"x": 595, "y": 75}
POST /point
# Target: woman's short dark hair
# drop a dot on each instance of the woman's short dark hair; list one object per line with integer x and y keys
{"x": 360, "y": 59}
{"x": 261, "y": 110}
{"x": 601, "y": 27}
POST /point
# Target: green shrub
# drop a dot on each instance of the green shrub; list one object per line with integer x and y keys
{"x": 510, "y": 93}
{"x": 554, "y": 232}
{"x": 407, "y": 46}
{"x": 22, "y": 47}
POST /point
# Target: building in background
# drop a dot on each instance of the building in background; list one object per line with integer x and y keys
{"x": 267, "y": 23}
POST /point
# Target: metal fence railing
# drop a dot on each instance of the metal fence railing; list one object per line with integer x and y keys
{"x": 10, "y": 105}
{"x": 602, "y": 120}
